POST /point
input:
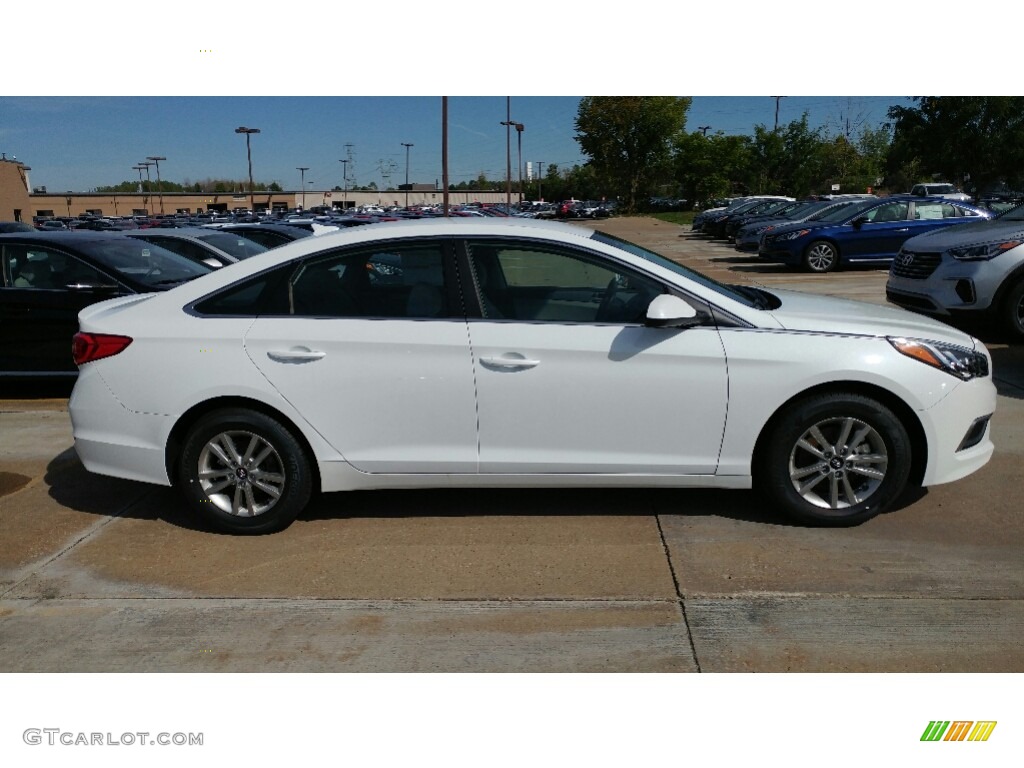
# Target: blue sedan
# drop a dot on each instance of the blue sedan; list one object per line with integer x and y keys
{"x": 872, "y": 231}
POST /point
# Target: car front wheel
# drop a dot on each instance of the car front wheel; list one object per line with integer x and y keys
{"x": 835, "y": 460}
{"x": 821, "y": 256}
{"x": 1013, "y": 311}
{"x": 244, "y": 472}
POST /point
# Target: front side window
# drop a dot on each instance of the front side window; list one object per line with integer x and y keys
{"x": 391, "y": 281}
{"x": 538, "y": 283}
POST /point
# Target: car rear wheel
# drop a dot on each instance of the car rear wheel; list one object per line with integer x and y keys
{"x": 244, "y": 472}
{"x": 821, "y": 256}
{"x": 835, "y": 460}
{"x": 1013, "y": 310}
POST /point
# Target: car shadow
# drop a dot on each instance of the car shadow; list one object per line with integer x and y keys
{"x": 73, "y": 487}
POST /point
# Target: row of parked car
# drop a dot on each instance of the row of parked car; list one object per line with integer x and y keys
{"x": 947, "y": 257}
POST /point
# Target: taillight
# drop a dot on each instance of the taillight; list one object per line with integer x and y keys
{"x": 86, "y": 347}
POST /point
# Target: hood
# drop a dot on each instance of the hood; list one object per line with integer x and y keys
{"x": 965, "y": 234}
{"x": 827, "y": 314}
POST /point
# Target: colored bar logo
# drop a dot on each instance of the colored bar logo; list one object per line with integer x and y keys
{"x": 958, "y": 730}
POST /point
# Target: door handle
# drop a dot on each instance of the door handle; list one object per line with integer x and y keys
{"x": 510, "y": 361}
{"x": 296, "y": 355}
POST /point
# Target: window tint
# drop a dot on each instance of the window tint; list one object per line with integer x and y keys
{"x": 386, "y": 281}
{"x": 934, "y": 211}
{"x": 541, "y": 284}
{"x": 33, "y": 266}
{"x": 189, "y": 250}
{"x": 888, "y": 212}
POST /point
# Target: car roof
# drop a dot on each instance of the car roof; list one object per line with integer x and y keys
{"x": 63, "y": 237}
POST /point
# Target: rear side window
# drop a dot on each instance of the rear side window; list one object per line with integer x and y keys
{"x": 256, "y": 296}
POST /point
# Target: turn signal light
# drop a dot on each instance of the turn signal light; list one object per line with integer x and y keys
{"x": 86, "y": 347}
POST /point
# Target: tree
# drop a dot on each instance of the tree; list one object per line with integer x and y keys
{"x": 959, "y": 136}
{"x": 629, "y": 139}
{"x": 711, "y": 166}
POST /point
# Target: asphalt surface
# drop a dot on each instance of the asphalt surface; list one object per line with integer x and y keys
{"x": 98, "y": 574}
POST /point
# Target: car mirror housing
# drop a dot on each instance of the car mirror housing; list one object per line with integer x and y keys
{"x": 668, "y": 311}
{"x": 860, "y": 221}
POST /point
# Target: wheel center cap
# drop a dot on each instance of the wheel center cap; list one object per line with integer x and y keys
{"x": 241, "y": 474}
{"x": 836, "y": 463}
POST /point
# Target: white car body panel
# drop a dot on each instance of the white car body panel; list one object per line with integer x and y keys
{"x": 411, "y": 403}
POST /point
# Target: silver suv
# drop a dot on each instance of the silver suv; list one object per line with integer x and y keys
{"x": 940, "y": 189}
{"x": 971, "y": 270}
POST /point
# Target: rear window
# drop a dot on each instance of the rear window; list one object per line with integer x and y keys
{"x": 142, "y": 263}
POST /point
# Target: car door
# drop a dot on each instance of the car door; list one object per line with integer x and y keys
{"x": 371, "y": 347}
{"x": 42, "y": 291}
{"x": 569, "y": 379}
{"x": 881, "y": 233}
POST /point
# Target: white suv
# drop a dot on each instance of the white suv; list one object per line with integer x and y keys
{"x": 971, "y": 270}
{"x": 939, "y": 189}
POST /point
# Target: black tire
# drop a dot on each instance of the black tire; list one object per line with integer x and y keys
{"x": 1012, "y": 311}
{"x": 244, "y": 472}
{"x": 805, "y": 472}
{"x": 821, "y": 256}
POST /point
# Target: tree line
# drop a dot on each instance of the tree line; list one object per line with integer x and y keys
{"x": 638, "y": 147}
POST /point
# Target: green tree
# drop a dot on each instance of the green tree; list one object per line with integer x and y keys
{"x": 629, "y": 140}
{"x": 711, "y": 166}
{"x": 981, "y": 137}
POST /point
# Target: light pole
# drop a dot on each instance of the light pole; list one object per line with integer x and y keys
{"x": 508, "y": 123}
{"x": 302, "y": 183}
{"x": 407, "y": 173}
{"x": 519, "y": 136}
{"x": 159, "y": 188}
{"x": 703, "y": 129}
{"x": 149, "y": 185}
{"x": 344, "y": 175}
{"x": 540, "y": 177}
{"x": 248, "y": 153}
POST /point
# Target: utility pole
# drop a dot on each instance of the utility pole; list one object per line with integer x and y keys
{"x": 247, "y": 132}
{"x": 705, "y": 128}
{"x": 507, "y": 122}
{"x": 519, "y": 137}
{"x": 344, "y": 174}
{"x": 302, "y": 183}
{"x": 159, "y": 187}
{"x": 407, "y": 173}
{"x": 444, "y": 152}
{"x": 777, "y": 100}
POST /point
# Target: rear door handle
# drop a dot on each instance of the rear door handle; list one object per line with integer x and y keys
{"x": 510, "y": 361}
{"x": 296, "y": 355}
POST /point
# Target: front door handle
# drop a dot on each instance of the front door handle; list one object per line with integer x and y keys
{"x": 510, "y": 361}
{"x": 296, "y": 355}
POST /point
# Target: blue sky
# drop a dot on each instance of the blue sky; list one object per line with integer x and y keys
{"x": 81, "y": 142}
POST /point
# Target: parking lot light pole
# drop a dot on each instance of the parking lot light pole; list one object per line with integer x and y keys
{"x": 139, "y": 169}
{"x": 519, "y": 136}
{"x": 159, "y": 187}
{"x": 407, "y": 173}
{"x": 302, "y": 183}
{"x": 149, "y": 186}
{"x": 248, "y": 153}
{"x": 508, "y": 123}
{"x": 344, "y": 175}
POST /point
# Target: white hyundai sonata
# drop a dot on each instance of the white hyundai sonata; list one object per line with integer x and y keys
{"x": 516, "y": 353}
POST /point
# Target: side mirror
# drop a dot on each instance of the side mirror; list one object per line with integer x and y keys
{"x": 92, "y": 288}
{"x": 667, "y": 311}
{"x": 860, "y": 221}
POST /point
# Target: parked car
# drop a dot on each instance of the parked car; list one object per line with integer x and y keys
{"x": 512, "y": 352}
{"x": 711, "y": 220}
{"x": 15, "y": 226}
{"x": 202, "y": 245}
{"x": 939, "y": 189}
{"x": 730, "y": 224}
{"x": 748, "y": 238}
{"x": 976, "y": 270}
{"x": 48, "y": 277}
{"x": 267, "y": 235}
{"x": 872, "y": 231}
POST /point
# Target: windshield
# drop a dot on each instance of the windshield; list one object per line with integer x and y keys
{"x": 655, "y": 258}
{"x": 142, "y": 263}
{"x": 238, "y": 246}
{"x": 939, "y": 189}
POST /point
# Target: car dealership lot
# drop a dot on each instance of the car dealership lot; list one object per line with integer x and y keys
{"x": 115, "y": 576}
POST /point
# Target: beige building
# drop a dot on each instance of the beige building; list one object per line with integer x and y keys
{"x": 15, "y": 201}
{"x": 19, "y": 203}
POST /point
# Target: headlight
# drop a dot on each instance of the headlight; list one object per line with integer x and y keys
{"x": 961, "y": 362}
{"x": 983, "y": 251}
{"x": 791, "y": 235}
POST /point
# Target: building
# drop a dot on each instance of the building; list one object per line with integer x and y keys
{"x": 15, "y": 202}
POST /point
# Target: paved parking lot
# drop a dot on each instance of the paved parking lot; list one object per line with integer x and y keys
{"x": 98, "y": 574}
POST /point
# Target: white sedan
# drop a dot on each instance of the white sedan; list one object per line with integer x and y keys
{"x": 511, "y": 352}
